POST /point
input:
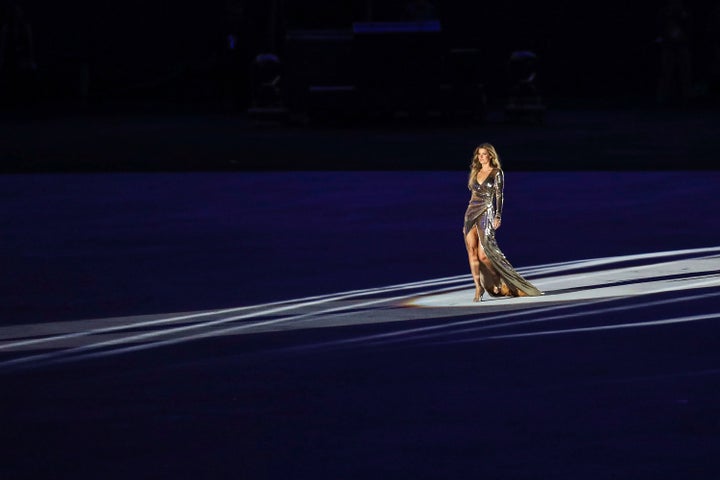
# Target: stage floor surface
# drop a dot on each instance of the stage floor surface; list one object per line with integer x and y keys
{"x": 266, "y": 325}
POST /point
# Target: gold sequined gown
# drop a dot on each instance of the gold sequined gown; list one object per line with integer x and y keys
{"x": 486, "y": 202}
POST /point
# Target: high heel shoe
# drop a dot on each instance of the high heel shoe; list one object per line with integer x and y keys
{"x": 479, "y": 291}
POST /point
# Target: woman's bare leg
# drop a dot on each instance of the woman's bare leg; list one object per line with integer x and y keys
{"x": 482, "y": 256}
{"x": 472, "y": 243}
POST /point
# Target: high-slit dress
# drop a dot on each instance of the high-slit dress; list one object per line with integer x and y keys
{"x": 486, "y": 203}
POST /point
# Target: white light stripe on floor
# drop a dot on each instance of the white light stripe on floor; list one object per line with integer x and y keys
{"x": 70, "y": 353}
{"x": 690, "y": 318}
{"x": 583, "y": 313}
{"x": 272, "y": 308}
{"x": 301, "y": 302}
{"x": 600, "y": 261}
{"x": 293, "y": 304}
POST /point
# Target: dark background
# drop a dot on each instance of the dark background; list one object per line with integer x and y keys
{"x": 127, "y": 86}
{"x": 176, "y": 52}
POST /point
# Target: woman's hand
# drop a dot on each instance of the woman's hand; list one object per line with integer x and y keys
{"x": 496, "y": 223}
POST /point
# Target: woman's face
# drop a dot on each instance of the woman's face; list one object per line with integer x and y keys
{"x": 483, "y": 156}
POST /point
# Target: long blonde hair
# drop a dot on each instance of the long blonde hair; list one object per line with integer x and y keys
{"x": 475, "y": 162}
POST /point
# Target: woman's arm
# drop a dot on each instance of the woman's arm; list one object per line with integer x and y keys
{"x": 499, "y": 186}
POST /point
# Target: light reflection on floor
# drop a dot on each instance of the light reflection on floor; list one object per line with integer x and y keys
{"x": 580, "y": 289}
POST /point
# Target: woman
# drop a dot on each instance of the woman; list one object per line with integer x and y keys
{"x": 490, "y": 269}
